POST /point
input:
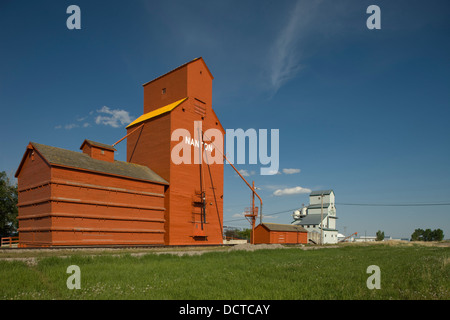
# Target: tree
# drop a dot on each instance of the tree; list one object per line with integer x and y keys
{"x": 438, "y": 235}
{"x": 238, "y": 234}
{"x": 230, "y": 233}
{"x": 380, "y": 235}
{"x": 417, "y": 235}
{"x": 245, "y": 234}
{"x": 427, "y": 235}
{"x": 8, "y": 206}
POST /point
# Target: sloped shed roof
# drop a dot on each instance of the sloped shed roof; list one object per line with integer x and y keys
{"x": 284, "y": 227}
{"x": 67, "y": 158}
{"x": 311, "y": 219}
{"x": 320, "y": 192}
{"x": 98, "y": 144}
{"x": 157, "y": 112}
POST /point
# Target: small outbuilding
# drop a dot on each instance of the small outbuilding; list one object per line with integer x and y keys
{"x": 280, "y": 233}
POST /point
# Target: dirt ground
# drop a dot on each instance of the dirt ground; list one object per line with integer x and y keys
{"x": 31, "y": 256}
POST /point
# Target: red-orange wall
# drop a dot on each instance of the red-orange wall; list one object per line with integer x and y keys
{"x": 151, "y": 146}
{"x": 263, "y": 235}
{"x": 174, "y": 82}
{"x": 185, "y": 182}
{"x": 65, "y": 206}
{"x": 98, "y": 153}
{"x": 30, "y": 180}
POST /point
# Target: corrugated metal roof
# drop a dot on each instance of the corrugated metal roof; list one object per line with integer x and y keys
{"x": 311, "y": 219}
{"x": 157, "y": 112}
{"x": 283, "y": 227}
{"x": 73, "y": 159}
{"x": 320, "y": 192}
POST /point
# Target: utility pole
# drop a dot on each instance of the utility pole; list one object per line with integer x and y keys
{"x": 253, "y": 212}
{"x": 321, "y": 219}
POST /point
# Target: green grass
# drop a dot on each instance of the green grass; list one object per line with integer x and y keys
{"x": 407, "y": 272}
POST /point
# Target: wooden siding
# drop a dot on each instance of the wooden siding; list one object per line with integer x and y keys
{"x": 151, "y": 146}
{"x": 64, "y": 206}
{"x": 263, "y": 235}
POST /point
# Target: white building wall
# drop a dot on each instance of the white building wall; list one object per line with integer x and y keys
{"x": 331, "y": 223}
{"x": 318, "y": 210}
{"x": 330, "y": 237}
{"x": 332, "y": 198}
{"x": 327, "y": 198}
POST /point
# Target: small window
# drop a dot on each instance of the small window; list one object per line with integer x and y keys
{"x": 164, "y": 91}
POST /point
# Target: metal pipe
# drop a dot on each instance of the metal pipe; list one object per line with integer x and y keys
{"x": 240, "y": 175}
{"x": 248, "y": 184}
{"x": 128, "y": 134}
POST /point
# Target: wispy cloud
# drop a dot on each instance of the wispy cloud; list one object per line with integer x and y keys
{"x": 285, "y": 54}
{"x": 291, "y": 171}
{"x": 113, "y": 117}
{"x": 246, "y": 173}
{"x": 290, "y": 191}
{"x": 69, "y": 126}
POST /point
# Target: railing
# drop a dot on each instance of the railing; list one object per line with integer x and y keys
{"x": 9, "y": 242}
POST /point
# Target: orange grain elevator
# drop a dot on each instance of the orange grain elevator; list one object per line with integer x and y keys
{"x": 194, "y": 198}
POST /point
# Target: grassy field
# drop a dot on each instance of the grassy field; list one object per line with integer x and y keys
{"x": 339, "y": 272}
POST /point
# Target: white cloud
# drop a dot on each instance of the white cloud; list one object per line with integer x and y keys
{"x": 291, "y": 171}
{"x": 106, "y": 116}
{"x": 290, "y": 191}
{"x": 69, "y": 126}
{"x": 114, "y": 118}
{"x": 272, "y": 172}
{"x": 246, "y": 173}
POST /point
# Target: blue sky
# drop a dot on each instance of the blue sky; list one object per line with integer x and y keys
{"x": 363, "y": 112}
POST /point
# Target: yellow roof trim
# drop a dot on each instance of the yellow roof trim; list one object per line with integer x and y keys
{"x": 157, "y": 112}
